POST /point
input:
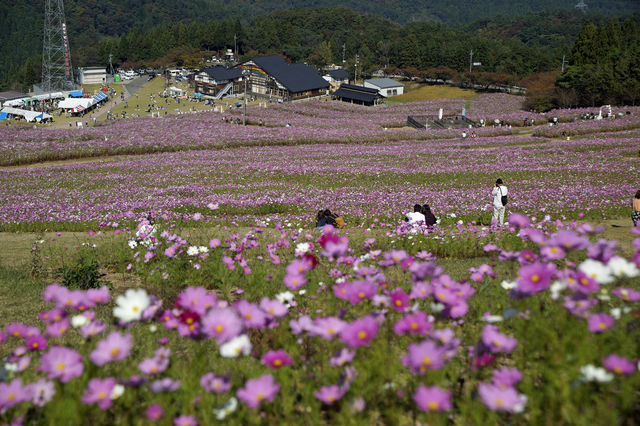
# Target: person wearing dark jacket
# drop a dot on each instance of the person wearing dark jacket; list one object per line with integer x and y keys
{"x": 321, "y": 221}
{"x": 331, "y": 218}
{"x": 429, "y": 218}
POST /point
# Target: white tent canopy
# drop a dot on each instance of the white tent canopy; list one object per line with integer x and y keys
{"x": 46, "y": 96}
{"x": 28, "y": 115}
{"x": 15, "y": 102}
{"x": 71, "y": 103}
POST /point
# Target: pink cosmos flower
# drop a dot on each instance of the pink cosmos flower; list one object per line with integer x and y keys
{"x": 155, "y": 412}
{"x": 92, "y": 329}
{"x": 432, "y": 398}
{"x": 185, "y": 420}
{"x": 99, "y": 391}
{"x": 62, "y": 363}
{"x": 229, "y": 262}
{"x": 212, "y": 383}
{"x": 277, "y": 359}
{"x": 400, "y": 300}
{"x": 598, "y": 323}
{"x": 58, "y": 328}
{"x": 98, "y": 295}
{"x": 50, "y": 293}
{"x": 294, "y": 281}
{"x": 221, "y": 324}
{"x": 298, "y": 267}
{"x": 423, "y": 356}
{"x": 496, "y": 341}
{"x": 343, "y": 357}
{"x": 13, "y": 393}
{"x": 273, "y": 308}
{"x": 359, "y": 291}
{"x": 115, "y": 347}
{"x": 627, "y": 294}
{"x": 417, "y": 323}
{"x": 328, "y": 327}
{"x": 152, "y": 366}
{"x": 330, "y": 394}
{"x": 618, "y": 364}
{"x": 49, "y": 317}
{"x": 36, "y": 343}
{"x": 252, "y": 316}
{"x": 164, "y": 385}
{"x": 519, "y": 220}
{"x": 506, "y": 377}
{"x": 535, "y": 278}
{"x": 499, "y": 399}
{"x": 214, "y": 243}
{"x": 196, "y": 299}
{"x": 420, "y": 290}
{"x": 360, "y": 332}
{"x": 257, "y": 390}
{"x": 42, "y": 392}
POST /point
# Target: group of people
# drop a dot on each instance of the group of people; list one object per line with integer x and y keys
{"x": 325, "y": 217}
{"x": 421, "y": 215}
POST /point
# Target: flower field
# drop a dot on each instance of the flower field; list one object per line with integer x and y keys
{"x": 231, "y": 308}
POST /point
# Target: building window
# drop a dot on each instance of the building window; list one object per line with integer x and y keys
{"x": 395, "y": 91}
{"x": 388, "y": 92}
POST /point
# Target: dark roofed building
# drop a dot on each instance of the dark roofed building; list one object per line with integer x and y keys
{"x": 337, "y": 77}
{"x": 272, "y": 77}
{"x": 11, "y": 95}
{"x": 214, "y": 80}
{"x": 357, "y": 94}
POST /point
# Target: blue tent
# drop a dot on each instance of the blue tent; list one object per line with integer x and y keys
{"x": 100, "y": 97}
{"x": 76, "y": 94}
{"x": 3, "y": 115}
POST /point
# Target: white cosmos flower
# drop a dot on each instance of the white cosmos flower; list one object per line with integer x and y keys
{"x": 616, "y": 312}
{"x": 117, "y": 391}
{"x": 437, "y": 307}
{"x": 519, "y": 408}
{"x": 229, "y": 407}
{"x": 303, "y": 248}
{"x": 78, "y": 321}
{"x": 492, "y": 318}
{"x": 193, "y": 251}
{"x": 236, "y": 346}
{"x": 285, "y": 297}
{"x": 557, "y": 287}
{"x": 130, "y": 306}
{"x": 132, "y": 244}
{"x": 590, "y": 373}
{"x": 203, "y": 249}
{"x": 301, "y": 292}
{"x": 622, "y": 267}
{"x": 508, "y": 285}
{"x": 213, "y": 206}
{"x": 600, "y": 272}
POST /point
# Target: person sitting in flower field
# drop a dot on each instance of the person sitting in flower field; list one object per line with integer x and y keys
{"x": 333, "y": 219}
{"x": 635, "y": 214}
{"x": 429, "y": 217}
{"x": 416, "y": 216}
{"x": 321, "y": 221}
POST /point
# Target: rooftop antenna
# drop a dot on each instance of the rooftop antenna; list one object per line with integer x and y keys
{"x": 582, "y": 6}
{"x": 57, "y": 73}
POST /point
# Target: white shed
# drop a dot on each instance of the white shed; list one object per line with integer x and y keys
{"x": 92, "y": 75}
{"x": 385, "y": 86}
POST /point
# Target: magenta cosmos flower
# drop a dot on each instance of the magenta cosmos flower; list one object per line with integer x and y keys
{"x": 519, "y": 220}
{"x": 62, "y": 363}
{"x": 221, "y": 324}
{"x": 328, "y": 327}
{"x": 277, "y": 359}
{"x": 16, "y": 329}
{"x": 400, "y": 301}
{"x": 196, "y": 299}
{"x": 252, "y": 315}
{"x": 274, "y": 308}
{"x": 506, "y": 377}
{"x": 99, "y": 391}
{"x": 360, "y": 332}
{"x": 499, "y": 399}
{"x": 294, "y": 281}
{"x": 432, "y": 398}
{"x": 359, "y": 291}
{"x": 598, "y": 323}
{"x": 36, "y": 343}
{"x": 115, "y": 347}
{"x": 627, "y": 294}
{"x": 618, "y": 364}
{"x": 257, "y": 390}
{"x": 152, "y": 366}
{"x": 496, "y": 341}
{"x": 155, "y": 412}
{"x": 535, "y": 278}
{"x": 330, "y": 394}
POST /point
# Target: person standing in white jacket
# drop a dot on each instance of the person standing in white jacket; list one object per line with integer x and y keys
{"x": 498, "y": 192}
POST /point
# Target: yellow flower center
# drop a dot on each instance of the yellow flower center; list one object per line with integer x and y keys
{"x": 102, "y": 395}
{"x": 219, "y": 328}
{"x": 433, "y": 405}
{"x": 12, "y": 396}
{"x": 426, "y": 360}
{"x": 259, "y": 397}
{"x": 617, "y": 370}
{"x": 362, "y": 335}
{"x": 535, "y": 278}
{"x": 60, "y": 366}
{"x": 499, "y": 402}
{"x": 135, "y": 309}
{"x": 277, "y": 362}
{"x": 248, "y": 316}
{"x": 398, "y": 302}
{"x": 115, "y": 351}
{"x": 361, "y": 295}
{"x": 331, "y": 331}
{"x": 414, "y": 326}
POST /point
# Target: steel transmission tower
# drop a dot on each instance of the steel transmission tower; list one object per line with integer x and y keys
{"x": 582, "y": 6}
{"x": 57, "y": 73}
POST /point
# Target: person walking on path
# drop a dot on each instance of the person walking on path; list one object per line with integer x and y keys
{"x": 499, "y": 193}
{"x": 635, "y": 214}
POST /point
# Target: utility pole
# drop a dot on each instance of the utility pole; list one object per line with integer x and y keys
{"x": 470, "y": 60}
{"x": 235, "y": 44}
{"x": 563, "y": 61}
{"x": 356, "y": 70}
{"x": 344, "y": 48}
